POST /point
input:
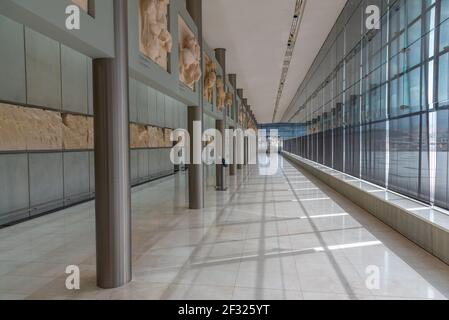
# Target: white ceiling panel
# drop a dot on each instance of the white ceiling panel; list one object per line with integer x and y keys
{"x": 255, "y": 35}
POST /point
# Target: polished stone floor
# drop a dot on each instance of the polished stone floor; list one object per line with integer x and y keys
{"x": 284, "y": 236}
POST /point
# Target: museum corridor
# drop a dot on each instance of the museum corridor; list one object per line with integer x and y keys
{"x": 286, "y": 236}
{"x": 224, "y": 150}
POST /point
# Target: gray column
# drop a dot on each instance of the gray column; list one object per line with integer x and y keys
{"x": 233, "y": 166}
{"x": 221, "y": 183}
{"x": 245, "y": 152}
{"x": 112, "y": 172}
{"x": 233, "y": 80}
{"x": 195, "y": 113}
{"x": 240, "y": 94}
{"x": 220, "y": 125}
{"x": 196, "y": 187}
{"x": 249, "y": 149}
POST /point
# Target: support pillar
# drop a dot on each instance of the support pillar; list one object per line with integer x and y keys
{"x": 221, "y": 184}
{"x": 196, "y": 187}
{"x": 250, "y": 145}
{"x": 245, "y": 154}
{"x": 240, "y": 94}
{"x": 112, "y": 171}
{"x": 220, "y": 125}
{"x": 232, "y": 165}
{"x": 195, "y": 113}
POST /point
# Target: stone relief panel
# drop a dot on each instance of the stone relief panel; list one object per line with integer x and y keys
{"x": 77, "y": 132}
{"x": 221, "y": 94}
{"x": 155, "y": 41}
{"x": 142, "y": 136}
{"x": 83, "y": 4}
{"x": 160, "y": 139}
{"x": 29, "y": 129}
{"x": 210, "y": 79}
{"x": 189, "y": 56}
{"x": 229, "y": 100}
{"x": 138, "y": 136}
{"x": 90, "y": 133}
{"x": 167, "y": 135}
{"x": 152, "y": 132}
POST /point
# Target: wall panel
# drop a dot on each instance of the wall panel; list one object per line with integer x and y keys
{"x": 133, "y": 100}
{"x": 134, "y": 165}
{"x": 76, "y": 176}
{"x": 152, "y": 105}
{"x": 143, "y": 164}
{"x": 92, "y": 172}
{"x": 43, "y": 68}
{"x": 74, "y": 81}
{"x": 152, "y": 162}
{"x": 12, "y": 61}
{"x": 14, "y": 193}
{"x": 160, "y": 109}
{"x": 46, "y": 181}
{"x": 142, "y": 103}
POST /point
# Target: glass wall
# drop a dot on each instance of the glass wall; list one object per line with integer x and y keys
{"x": 375, "y": 101}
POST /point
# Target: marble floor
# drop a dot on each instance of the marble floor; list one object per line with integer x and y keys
{"x": 284, "y": 236}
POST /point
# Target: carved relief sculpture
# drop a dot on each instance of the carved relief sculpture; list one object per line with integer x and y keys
{"x": 167, "y": 138}
{"x": 189, "y": 56}
{"x": 12, "y": 136}
{"x": 29, "y": 129}
{"x": 229, "y": 100}
{"x": 82, "y": 4}
{"x": 210, "y": 80}
{"x": 139, "y": 136}
{"x": 160, "y": 140}
{"x": 75, "y": 132}
{"x": 155, "y": 39}
{"x": 152, "y": 132}
{"x": 241, "y": 115}
{"x": 221, "y": 94}
{"x": 90, "y": 133}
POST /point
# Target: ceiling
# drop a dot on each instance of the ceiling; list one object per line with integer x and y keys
{"x": 255, "y": 35}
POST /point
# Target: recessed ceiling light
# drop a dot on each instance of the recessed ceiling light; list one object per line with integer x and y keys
{"x": 299, "y": 10}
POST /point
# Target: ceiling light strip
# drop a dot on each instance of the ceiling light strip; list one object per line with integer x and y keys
{"x": 297, "y": 18}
